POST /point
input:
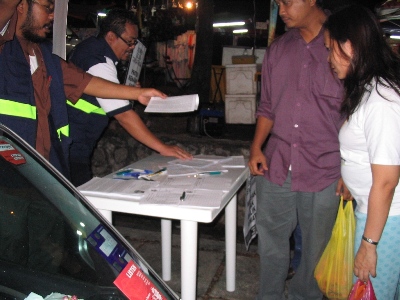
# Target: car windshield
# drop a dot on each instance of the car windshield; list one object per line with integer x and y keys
{"x": 53, "y": 240}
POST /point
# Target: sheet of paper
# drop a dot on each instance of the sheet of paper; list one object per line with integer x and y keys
{"x": 174, "y": 170}
{"x": 177, "y": 104}
{"x": 211, "y": 182}
{"x": 203, "y": 198}
{"x": 193, "y": 198}
{"x": 196, "y": 163}
{"x": 216, "y": 158}
{"x": 207, "y": 160}
{"x": 234, "y": 162}
{"x": 117, "y": 188}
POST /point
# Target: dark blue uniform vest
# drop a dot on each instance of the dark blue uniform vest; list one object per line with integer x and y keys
{"x": 17, "y": 102}
{"x": 87, "y": 119}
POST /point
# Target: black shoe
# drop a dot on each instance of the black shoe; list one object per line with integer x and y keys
{"x": 290, "y": 273}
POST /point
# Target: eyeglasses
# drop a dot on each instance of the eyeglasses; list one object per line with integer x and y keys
{"x": 49, "y": 8}
{"x": 132, "y": 43}
{"x": 284, "y": 2}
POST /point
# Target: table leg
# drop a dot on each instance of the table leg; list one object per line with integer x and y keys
{"x": 230, "y": 243}
{"x": 107, "y": 214}
{"x": 166, "y": 233}
{"x": 188, "y": 259}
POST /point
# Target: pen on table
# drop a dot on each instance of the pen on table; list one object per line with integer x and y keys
{"x": 157, "y": 172}
{"x": 148, "y": 176}
{"x": 183, "y": 196}
{"x": 210, "y": 173}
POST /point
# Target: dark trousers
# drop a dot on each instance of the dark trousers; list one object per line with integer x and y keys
{"x": 81, "y": 172}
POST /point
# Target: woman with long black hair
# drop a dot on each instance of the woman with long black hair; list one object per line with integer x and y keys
{"x": 370, "y": 140}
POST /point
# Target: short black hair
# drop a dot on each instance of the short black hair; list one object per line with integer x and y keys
{"x": 115, "y": 21}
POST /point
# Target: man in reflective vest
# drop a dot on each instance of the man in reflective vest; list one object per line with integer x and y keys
{"x": 34, "y": 85}
{"x": 90, "y": 115}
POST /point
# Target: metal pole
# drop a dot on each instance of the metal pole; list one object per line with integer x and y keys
{"x": 60, "y": 28}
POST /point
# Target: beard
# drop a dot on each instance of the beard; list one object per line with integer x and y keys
{"x": 28, "y": 29}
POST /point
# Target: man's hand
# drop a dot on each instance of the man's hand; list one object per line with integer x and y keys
{"x": 342, "y": 190}
{"x": 147, "y": 93}
{"x": 257, "y": 162}
{"x": 176, "y": 152}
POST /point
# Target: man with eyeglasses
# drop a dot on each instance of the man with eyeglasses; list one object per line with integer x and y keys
{"x": 299, "y": 170}
{"x": 99, "y": 56}
{"x": 34, "y": 85}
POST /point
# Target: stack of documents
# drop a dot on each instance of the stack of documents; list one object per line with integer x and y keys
{"x": 203, "y": 165}
{"x": 176, "y": 104}
{"x": 194, "y": 198}
{"x": 214, "y": 183}
{"x": 116, "y": 188}
{"x": 198, "y": 182}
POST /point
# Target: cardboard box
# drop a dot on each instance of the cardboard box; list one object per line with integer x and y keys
{"x": 240, "y": 109}
{"x": 229, "y": 51}
{"x": 244, "y": 59}
{"x": 240, "y": 79}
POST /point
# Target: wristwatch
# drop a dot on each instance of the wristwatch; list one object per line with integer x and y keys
{"x": 368, "y": 240}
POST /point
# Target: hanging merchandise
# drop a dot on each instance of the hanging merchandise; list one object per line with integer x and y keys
{"x": 334, "y": 271}
{"x": 273, "y": 16}
{"x": 153, "y": 9}
{"x": 133, "y": 7}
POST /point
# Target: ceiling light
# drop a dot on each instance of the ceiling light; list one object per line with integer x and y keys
{"x": 228, "y": 24}
{"x": 189, "y": 5}
{"x": 240, "y": 31}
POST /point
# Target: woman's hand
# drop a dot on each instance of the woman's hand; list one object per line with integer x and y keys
{"x": 365, "y": 261}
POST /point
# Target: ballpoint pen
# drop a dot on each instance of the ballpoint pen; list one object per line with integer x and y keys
{"x": 210, "y": 173}
{"x": 148, "y": 176}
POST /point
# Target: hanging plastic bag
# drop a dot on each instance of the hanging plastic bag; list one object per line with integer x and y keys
{"x": 362, "y": 291}
{"x": 334, "y": 271}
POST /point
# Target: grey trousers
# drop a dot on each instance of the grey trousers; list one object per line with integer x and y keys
{"x": 278, "y": 210}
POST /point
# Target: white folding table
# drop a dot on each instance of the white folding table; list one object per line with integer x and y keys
{"x": 189, "y": 218}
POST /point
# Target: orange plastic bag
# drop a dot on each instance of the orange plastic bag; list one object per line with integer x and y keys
{"x": 334, "y": 271}
{"x": 362, "y": 291}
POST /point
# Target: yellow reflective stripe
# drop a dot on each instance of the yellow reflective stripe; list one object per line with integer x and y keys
{"x": 63, "y": 130}
{"x": 13, "y": 108}
{"x": 87, "y": 107}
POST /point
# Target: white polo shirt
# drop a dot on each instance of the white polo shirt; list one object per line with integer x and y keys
{"x": 371, "y": 136}
{"x": 108, "y": 71}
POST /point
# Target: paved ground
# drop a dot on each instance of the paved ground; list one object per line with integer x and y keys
{"x": 144, "y": 234}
